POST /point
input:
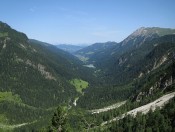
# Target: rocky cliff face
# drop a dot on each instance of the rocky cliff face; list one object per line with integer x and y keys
{"x": 160, "y": 86}
{"x": 144, "y": 34}
{"x": 139, "y": 36}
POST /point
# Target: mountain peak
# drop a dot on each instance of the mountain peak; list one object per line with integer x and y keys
{"x": 4, "y": 25}
{"x": 144, "y": 31}
{"x": 140, "y": 31}
{"x": 6, "y": 30}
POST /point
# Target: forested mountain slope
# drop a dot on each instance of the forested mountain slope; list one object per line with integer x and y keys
{"x": 159, "y": 120}
{"x": 108, "y": 58}
{"x": 90, "y": 52}
{"x": 34, "y": 77}
{"x": 121, "y": 70}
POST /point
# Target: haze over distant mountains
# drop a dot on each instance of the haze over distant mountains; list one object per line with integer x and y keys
{"x": 71, "y": 48}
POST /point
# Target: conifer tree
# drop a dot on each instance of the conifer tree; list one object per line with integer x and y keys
{"x": 59, "y": 120}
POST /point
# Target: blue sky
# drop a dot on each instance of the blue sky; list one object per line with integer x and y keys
{"x": 85, "y": 21}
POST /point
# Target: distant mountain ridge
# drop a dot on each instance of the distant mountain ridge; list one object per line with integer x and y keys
{"x": 91, "y": 51}
{"x": 70, "y": 48}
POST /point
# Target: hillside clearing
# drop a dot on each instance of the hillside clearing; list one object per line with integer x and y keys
{"x": 79, "y": 84}
{"x": 9, "y": 96}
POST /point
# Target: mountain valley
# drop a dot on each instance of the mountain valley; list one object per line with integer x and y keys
{"x": 41, "y": 84}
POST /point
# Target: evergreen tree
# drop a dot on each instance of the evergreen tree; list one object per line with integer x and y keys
{"x": 59, "y": 120}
